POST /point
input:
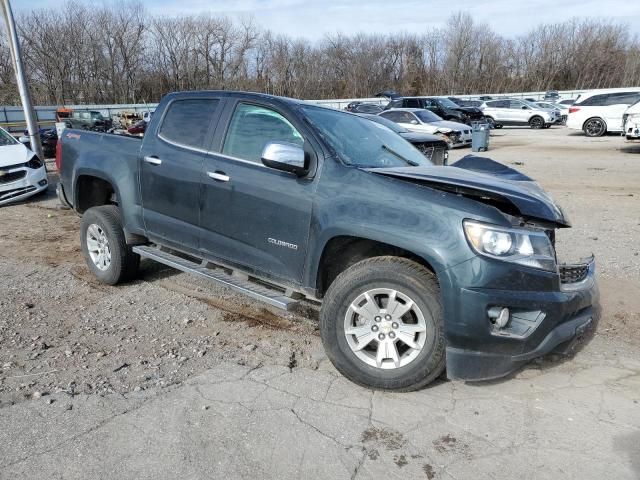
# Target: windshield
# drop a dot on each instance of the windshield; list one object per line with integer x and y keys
{"x": 362, "y": 143}
{"x": 446, "y": 103}
{"x": 427, "y": 117}
{"x": 387, "y": 123}
{"x": 532, "y": 105}
{"x": 6, "y": 138}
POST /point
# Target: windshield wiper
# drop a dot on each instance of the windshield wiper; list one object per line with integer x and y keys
{"x": 396, "y": 154}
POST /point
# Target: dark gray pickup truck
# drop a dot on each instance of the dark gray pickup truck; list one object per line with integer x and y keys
{"x": 418, "y": 267}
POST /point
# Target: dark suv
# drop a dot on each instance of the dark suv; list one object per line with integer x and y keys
{"x": 441, "y": 106}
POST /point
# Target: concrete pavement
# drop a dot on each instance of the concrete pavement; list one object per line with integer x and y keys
{"x": 572, "y": 419}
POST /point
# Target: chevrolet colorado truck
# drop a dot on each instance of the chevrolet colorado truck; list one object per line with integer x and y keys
{"x": 417, "y": 267}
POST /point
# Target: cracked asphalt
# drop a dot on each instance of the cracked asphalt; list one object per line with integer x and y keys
{"x": 169, "y": 377}
{"x": 574, "y": 419}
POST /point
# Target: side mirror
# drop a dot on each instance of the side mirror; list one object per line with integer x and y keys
{"x": 524, "y": 107}
{"x": 415, "y": 122}
{"x": 24, "y": 140}
{"x": 287, "y": 157}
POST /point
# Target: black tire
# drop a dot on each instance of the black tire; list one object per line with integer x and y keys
{"x": 408, "y": 278}
{"x": 594, "y": 127}
{"x": 124, "y": 263}
{"x": 490, "y": 121}
{"x": 547, "y": 125}
{"x": 536, "y": 122}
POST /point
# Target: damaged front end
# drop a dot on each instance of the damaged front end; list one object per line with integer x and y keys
{"x": 512, "y": 301}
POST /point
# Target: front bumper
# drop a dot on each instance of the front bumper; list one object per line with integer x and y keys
{"x": 28, "y": 182}
{"x": 545, "y": 316}
{"x": 632, "y": 129}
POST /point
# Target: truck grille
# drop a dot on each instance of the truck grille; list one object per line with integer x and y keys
{"x": 573, "y": 273}
{"x": 8, "y": 177}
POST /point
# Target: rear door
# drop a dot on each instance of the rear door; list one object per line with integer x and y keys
{"x": 253, "y": 215}
{"x": 519, "y": 112}
{"x": 170, "y": 168}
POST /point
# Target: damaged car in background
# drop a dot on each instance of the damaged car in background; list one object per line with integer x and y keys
{"x": 417, "y": 268}
{"x": 424, "y": 121}
{"x": 431, "y": 146}
{"x": 22, "y": 173}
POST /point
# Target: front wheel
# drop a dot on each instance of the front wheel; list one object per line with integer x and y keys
{"x": 594, "y": 127}
{"x": 381, "y": 324}
{"x": 104, "y": 246}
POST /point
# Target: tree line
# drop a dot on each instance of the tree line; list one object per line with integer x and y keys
{"x": 119, "y": 53}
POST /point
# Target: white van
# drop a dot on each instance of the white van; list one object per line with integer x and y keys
{"x": 631, "y": 120}
{"x": 600, "y": 111}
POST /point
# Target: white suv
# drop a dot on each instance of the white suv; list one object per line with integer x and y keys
{"x": 512, "y": 111}
{"x": 600, "y": 111}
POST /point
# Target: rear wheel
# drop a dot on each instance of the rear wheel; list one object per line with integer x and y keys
{"x": 381, "y": 324}
{"x": 594, "y": 127}
{"x": 104, "y": 246}
{"x": 536, "y": 122}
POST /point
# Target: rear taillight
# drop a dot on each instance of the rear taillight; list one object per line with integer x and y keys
{"x": 59, "y": 154}
{"x": 573, "y": 109}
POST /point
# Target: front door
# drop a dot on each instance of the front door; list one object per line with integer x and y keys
{"x": 253, "y": 215}
{"x": 170, "y": 168}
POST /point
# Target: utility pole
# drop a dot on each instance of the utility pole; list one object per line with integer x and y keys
{"x": 21, "y": 79}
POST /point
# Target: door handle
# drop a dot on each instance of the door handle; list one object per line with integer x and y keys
{"x": 219, "y": 176}
{"x": 153, "y": 160}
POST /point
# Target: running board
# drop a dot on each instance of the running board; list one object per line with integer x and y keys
{"x": 239, "y": 284}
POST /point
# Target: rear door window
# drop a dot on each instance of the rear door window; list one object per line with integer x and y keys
{"x": 412, "y": 103}
{"x": 252, "y": 127}
{"x": 187, "y": 121}
{"x": 596, "y": 101}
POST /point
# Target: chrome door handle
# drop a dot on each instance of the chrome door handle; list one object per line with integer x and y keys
{"x": 153, "y": 160}
{"x": 219, "y": 176}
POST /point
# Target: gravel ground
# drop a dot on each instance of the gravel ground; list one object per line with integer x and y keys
{"x": 61, "y": 331}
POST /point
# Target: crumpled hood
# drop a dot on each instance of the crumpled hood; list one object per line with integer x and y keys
{"x": 458, "y": 127}
{"x": 14, "y": 154}
{"x": 484, "y": 178}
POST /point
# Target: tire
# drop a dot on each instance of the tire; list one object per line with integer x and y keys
{"x": 498, "y": 125}
{"x": 105, "y": 223}
{"x": 491, "y": 122}
{"x": 594, "y": 127}
{"x": 414, "y": 367}
{"x": 547, "y": 125}
{"x": 536, "y": 122}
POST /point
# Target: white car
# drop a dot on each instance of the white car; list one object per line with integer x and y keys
{"x": 22, "y": 173}
{"x": 563, "y": 110}
{"x": 600, "y": 111}
{"x": 631, "y": 119}
{"x": 513, "y": 111}
{"x": 424, "y": 121}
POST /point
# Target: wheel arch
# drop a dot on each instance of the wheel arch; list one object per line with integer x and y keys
{"x": 92, "y": 189}
{"x": 342, "y": 251}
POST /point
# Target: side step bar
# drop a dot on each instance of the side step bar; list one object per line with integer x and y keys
{"x": 264, "y": 294}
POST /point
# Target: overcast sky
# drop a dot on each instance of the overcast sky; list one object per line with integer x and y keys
{"x": 312, "y": 19}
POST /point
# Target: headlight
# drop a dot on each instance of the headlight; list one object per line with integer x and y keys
{"x": 34, "y": 163}
{"x": 524, "y": 247}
